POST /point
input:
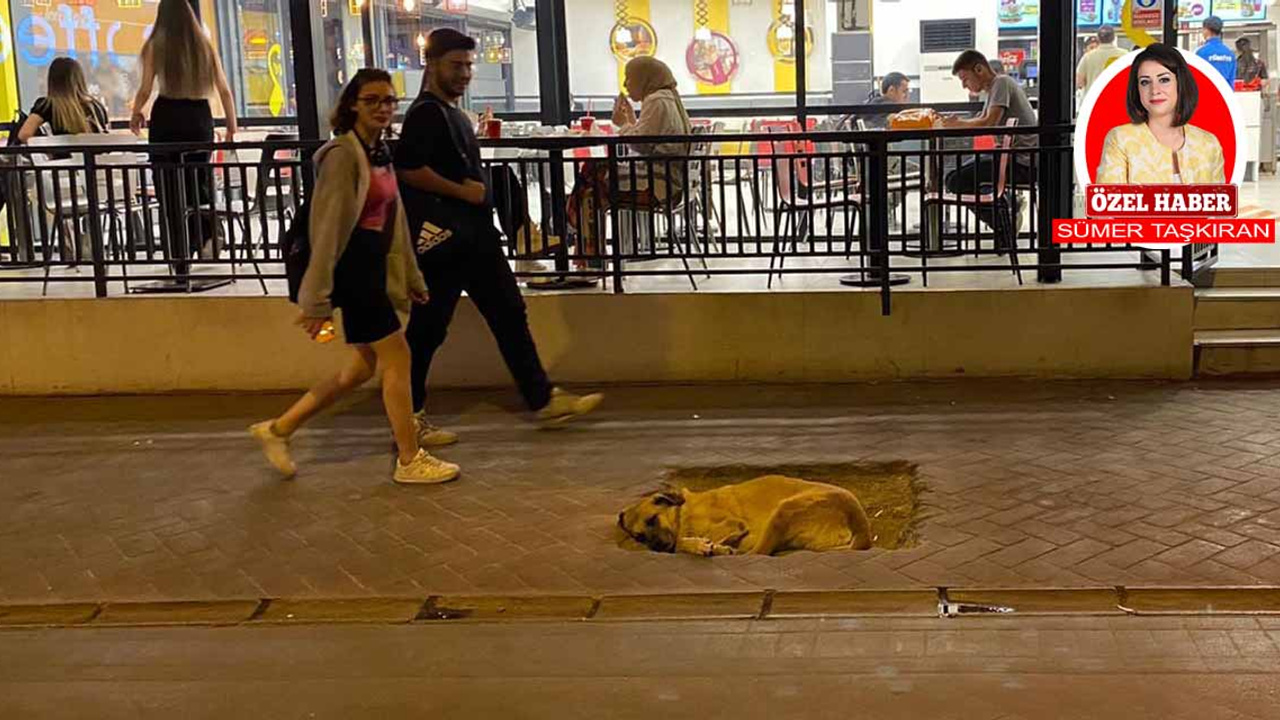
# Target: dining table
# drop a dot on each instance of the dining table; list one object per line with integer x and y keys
{"x": 546, "y": 150}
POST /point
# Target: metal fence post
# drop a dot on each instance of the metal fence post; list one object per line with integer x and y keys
{"x": 878, "y": 215}
{"x": 614, "y": 213}
{"x": 95, "y": 225}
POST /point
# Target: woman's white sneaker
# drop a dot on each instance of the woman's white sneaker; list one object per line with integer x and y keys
{"x": 426, "y": 470}
{"x": 275, "y": 447}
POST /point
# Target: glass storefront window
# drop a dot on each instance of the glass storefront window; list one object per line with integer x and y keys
{"x": 255, "y": 45}
{"x": 724, "y": 53}
{"x": 104, "y": 37}
{"x": 506, "y": 69}
{"x": 251, "y": 36}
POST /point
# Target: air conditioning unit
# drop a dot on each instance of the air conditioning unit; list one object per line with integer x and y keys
{"x": 941, "y": 41}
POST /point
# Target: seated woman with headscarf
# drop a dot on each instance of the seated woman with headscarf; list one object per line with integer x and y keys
{"x": 641, "y": 184}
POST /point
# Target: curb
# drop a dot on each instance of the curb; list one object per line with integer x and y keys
{"x": 765, "y": 605}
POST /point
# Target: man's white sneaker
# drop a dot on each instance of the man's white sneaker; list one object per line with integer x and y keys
{"x": 536, "y": 266}
{"x": 565, "y": 406}
{"x": 275, "y": 447}
{"x": 431, "y": 436}
{"x": 426, "y": 470}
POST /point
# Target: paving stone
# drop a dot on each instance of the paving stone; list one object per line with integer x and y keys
{"x": 1063, "y": 499}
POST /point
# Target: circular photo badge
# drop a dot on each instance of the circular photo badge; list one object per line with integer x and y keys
{"x": 1105, "y": 108}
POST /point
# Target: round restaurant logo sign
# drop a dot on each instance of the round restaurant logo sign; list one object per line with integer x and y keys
{"x": 713, "y": 61}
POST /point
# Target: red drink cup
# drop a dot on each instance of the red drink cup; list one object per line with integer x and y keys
{"x": 588, "y": 122}
{"x": 493, "y": 128}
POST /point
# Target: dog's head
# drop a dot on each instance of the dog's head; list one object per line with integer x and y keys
{"x": 653, "y": 522}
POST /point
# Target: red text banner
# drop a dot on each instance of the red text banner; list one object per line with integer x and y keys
{"x": 1147, "y": 231}
{"x": 1162, "y": 201}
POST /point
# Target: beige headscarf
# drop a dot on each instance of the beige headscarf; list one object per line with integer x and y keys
{"x": 649, "y": 75}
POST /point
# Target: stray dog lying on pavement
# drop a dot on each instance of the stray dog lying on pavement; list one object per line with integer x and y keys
{"x": 764, "y": 516}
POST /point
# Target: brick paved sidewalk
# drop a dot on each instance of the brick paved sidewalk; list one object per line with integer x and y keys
{"x": 1030, "y": 484}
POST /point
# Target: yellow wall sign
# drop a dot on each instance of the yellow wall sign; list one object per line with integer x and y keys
{"x": 712, "y": 58}
{"x": 632, "y": 35}
{"x": 781, "y": 40}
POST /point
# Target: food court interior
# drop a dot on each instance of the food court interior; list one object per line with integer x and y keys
{"x": 547, "y": 63}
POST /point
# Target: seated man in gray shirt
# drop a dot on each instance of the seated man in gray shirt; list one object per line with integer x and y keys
{"x": 895, "y": 89}
{"x": 1005, "y": 99}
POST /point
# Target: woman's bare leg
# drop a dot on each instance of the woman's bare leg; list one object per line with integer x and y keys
{"x": 358, "y": 370}
{"x": 393, "y": 353}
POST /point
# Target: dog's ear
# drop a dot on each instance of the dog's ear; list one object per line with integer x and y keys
{"x": 670, "y": 497}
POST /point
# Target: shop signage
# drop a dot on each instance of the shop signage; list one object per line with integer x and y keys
{"x": 712, "y": 59}
{"x": 37, "y": 37}
{"x": 456, "y": 6}
{"x": 1193, "y": 11}
{"x": 1018, "y": 14}
{"x": 1240, "y": 10}
{"x": 1013, "y": 57}
{"x": 1148, "y": 13}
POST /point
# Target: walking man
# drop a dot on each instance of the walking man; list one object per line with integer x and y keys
{"x": 458, "y": 248}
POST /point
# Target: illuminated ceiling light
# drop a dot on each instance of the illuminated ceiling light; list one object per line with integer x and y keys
{"x": 422, "y": 40}
{"x": 409, "y": 5}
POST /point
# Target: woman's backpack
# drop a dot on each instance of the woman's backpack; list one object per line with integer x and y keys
{"x": 297, "y": 248}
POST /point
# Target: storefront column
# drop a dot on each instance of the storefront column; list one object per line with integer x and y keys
{"x": 1057, "y": 85}
{"x": 553, "y": 62}
{"x": 801, "y": 47}
{"x": 302, "y": 26}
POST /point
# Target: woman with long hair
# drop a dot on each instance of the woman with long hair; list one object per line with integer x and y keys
{"x": 67, "y": 106}
{"x": 363, "y": 262}
{"x": 1159, "y": 145}
{"x": 180, "y": 59}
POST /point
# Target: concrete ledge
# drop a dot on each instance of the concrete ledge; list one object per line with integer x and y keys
{"x": 719, "y": 606}
{"x": 1046, "y": 601}
{"x": 552, "y": 607}
{"x": 222, "y": 612}
{"x": 47, "y": 615}
{"x": 922, "y": 603}
{"x": 355, "y": 610}
{"x": 184, "y": 344}
{"x": 918, "y": 603}
{"x": 1202, "y": 601}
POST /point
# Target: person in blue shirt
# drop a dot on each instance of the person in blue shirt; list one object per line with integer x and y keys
{"x": 1216, "y": 52}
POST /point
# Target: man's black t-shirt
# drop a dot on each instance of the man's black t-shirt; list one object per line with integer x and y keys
{"x": 437, "y": 135}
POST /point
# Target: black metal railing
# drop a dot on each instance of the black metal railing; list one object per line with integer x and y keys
{"x": 875, "y": 208}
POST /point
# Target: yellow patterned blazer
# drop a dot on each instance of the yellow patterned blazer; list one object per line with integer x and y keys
{"x": 1132, "y": 155}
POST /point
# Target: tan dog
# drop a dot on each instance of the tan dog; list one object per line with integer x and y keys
{"x": 764, "y": 516}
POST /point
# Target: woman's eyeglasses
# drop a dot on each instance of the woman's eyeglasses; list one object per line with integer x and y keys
{"x": 377, "y": 101}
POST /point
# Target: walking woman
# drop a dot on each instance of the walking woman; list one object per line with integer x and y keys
{"x": 67, "y": 107}
{"x": 181, "y": 60}
{"x": 362, "y": 261}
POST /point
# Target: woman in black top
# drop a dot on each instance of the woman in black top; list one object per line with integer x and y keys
{"x": 68, "y": 107}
